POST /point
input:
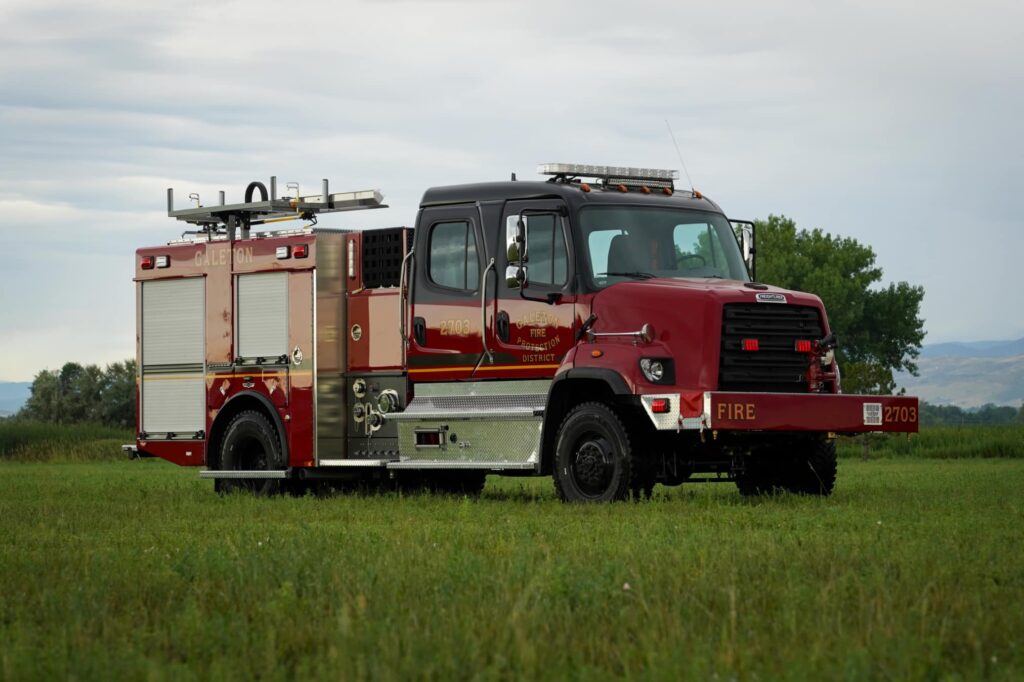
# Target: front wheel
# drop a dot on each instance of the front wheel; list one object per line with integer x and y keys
{"x": 593, "y": 456}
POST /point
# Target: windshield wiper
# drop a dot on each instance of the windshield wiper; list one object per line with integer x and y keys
{"x": 635, "y": 274}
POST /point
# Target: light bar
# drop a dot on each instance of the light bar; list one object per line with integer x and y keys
{"x": 589, "y": 171}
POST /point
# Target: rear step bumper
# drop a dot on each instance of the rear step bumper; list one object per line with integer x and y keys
{"x": 727, "y": 411}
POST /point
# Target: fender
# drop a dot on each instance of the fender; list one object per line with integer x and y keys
{"x": 614, "y": 380}
{"x": 219, "y": 424}
{"x": 555, "y": 411}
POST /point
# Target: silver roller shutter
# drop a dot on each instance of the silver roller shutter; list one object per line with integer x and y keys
{"x": 173, "y": 403}
{"x": 173, "y": 356}
{"x": 263, "y": 315}
{"x": 173, "y": 313}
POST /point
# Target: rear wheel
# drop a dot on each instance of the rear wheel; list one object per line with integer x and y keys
{"x": 813, "y": 471}
{"x": 593, "y": 456}
{"x": 250, "y": 443}
{"x": 806, "y": 467}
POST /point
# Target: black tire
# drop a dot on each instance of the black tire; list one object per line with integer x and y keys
{"x": 593, "y": 456}
{"x": 813, "y": 471}
{"x": 251, "y": 443}
{"x": 806, "y": 467}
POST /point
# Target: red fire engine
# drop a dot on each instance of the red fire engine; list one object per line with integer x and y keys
{"x": 602, "y": 327}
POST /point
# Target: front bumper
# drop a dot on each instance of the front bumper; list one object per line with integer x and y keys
{"x": 723, "y": 411}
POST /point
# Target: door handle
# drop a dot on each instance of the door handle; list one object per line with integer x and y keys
{"x": 503, "y": 326}
{"x": 419, "y": 330}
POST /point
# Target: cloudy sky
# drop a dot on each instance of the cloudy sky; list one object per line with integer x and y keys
{"x": 898, "y": 124}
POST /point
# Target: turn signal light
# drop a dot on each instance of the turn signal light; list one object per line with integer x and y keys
{"x": 750, "y": 345}
{"x": 803, "y": 346}
{"x": 661, "y": 405}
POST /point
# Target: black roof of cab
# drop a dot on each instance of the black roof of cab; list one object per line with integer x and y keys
{"x": 570, "y": 192}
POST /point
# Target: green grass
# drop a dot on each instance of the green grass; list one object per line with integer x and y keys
{"x": 912, "y": 570}
{"x": 941, "y": 442}
{"x": 38, "y": 442}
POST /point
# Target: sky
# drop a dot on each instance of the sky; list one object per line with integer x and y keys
{"x": 897, "y": 124}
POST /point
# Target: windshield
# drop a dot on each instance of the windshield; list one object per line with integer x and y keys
{"x": 639, "y": 242}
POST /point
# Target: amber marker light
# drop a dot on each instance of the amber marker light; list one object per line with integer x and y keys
{"x": 596, "y": 353}
{"x": 622, "y": 188}
{"x": 666, "y": 191}
{"x": 585, "y": 187}
{"x": 645, "y": 190}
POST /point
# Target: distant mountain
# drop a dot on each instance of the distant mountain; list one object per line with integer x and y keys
{"x": 13, "y": 395}
{"x": 968, "y": 381}
{"x": 973, "y": 349}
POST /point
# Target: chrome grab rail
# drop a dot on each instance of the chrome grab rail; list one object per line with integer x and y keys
{"x": 483, "y": 311}
{"x": 401, "y": 303}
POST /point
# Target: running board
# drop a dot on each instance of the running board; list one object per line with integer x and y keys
{"x": 354, "y": 463}
{"x": 485, "y": 466}
{"x": 243, "y": 474}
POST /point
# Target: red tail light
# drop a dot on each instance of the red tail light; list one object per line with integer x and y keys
{"x": 803, "y": 346}
{"x": 148, "y": 262}
{"x": 750, "y": 345}
{"x": 300, "y": 251}
{"x": 661, "y": 405}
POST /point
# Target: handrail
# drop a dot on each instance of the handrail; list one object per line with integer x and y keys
{"x": 401, "y": 304}
{"x": 483, "y": 311}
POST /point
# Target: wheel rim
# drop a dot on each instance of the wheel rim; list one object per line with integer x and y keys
{"x": 593, "y": 464}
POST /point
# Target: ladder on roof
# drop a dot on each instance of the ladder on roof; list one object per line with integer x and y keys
{"x": 270, "y": 208}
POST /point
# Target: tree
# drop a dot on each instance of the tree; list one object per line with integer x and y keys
{"x": 87, "y": 393}
{"x": 879, "y": 328}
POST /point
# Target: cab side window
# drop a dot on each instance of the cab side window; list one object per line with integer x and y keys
{"x": 453, "y": 261}
{"x": 548, "y": 259}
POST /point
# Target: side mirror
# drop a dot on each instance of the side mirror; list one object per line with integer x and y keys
{"x": 746, "y": 231}
{"x": 515, "y": 238}
{"x": 516, "y": 251}
{"x": 515, "y": 275}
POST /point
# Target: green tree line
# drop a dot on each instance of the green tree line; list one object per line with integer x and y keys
{"x": 77, "y": 394}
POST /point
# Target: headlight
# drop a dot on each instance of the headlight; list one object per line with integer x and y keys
{"x": 658, "y": 370}
{"x": 653, "y": 369}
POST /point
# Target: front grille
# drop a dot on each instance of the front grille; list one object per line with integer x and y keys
{"x": 776, "y": 367}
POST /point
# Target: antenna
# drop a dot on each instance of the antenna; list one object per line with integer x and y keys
{"x": 680, "y": 154}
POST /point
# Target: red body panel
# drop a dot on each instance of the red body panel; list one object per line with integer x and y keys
{"x": 811, "y": 412}
{"x": 289, "y": 390}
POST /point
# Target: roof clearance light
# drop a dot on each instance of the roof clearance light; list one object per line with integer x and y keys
{"x": 589, "y": 171}
{"x": 803, "y": 346}
{"x": 750, "y": 345}
{"x": 148, "y": 262}
{"x": 661, "y": 405}
{"x": 301, "y": 250}
{"x": 283, "y": 252}
{"x": 163, "y": 261}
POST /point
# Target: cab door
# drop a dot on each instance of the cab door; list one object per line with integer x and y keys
{"x": 534, "y": 326}
{"x": 445, "y": 336}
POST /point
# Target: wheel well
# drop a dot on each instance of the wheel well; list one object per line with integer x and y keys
{"x": 565, "y": 395}
{"x": 231, "y": 409}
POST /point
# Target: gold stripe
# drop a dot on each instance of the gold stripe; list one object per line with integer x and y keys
{"x": 489, "y": 368}
{"x": 226, "y": 375}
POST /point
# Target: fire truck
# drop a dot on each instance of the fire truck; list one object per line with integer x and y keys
{"x": 600, "y": 326}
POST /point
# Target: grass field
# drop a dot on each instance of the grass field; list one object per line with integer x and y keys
{"x": 912, "y": 570}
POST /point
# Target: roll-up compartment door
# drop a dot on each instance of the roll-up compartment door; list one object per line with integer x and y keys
{"x": 173, "y": 312}
{"x": 173, "y": 356}
{"x": 262, "y": 315}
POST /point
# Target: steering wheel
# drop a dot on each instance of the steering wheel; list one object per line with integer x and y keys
{"x": 691, "y": 256}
